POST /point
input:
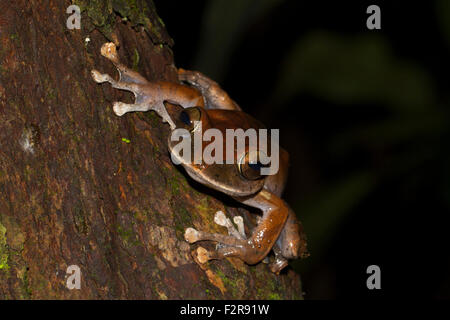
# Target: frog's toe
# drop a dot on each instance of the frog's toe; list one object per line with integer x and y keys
{"x": 191, "y": 235}
{"x": 220, "y": 219}
{"x": 277, "y": 265}
{"x": 108, "y": 50}
{"x": 98, "y": 77}
{"x": 202, "y": 255}
{"x": 223, "y": 221}
{"x": 239, "y": 221}
{"x": 120, "y": 108}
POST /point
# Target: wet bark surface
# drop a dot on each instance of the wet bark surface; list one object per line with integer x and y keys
{"x": 81, "y": 186}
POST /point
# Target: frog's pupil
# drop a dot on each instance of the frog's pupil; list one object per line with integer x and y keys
{"x": 184, "y": 117}
{"x": 255, "y": 166}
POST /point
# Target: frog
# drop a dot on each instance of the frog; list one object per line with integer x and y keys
{"x": 194, "y": 99}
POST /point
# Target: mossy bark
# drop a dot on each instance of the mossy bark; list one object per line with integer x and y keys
{"x": 81, "y": 186}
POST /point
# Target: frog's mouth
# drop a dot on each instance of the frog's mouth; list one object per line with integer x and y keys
{"x": 237, "y": 186}
{"x": 234, "y": 188}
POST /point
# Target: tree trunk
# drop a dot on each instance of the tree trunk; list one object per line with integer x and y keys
{"x": 81, "y": 186}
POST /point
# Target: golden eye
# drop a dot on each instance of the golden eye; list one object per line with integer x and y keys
{"x": 250, "y": 171}
{"x": 188, "y": 117}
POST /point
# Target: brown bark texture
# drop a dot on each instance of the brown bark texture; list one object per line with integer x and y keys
{"x": 81, "y": 186}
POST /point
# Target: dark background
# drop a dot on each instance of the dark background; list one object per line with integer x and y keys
{"x": 364, "y": 115}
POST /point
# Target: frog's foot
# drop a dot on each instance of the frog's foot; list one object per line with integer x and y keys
{"x": 215, "y": 96}
{"x": 142, "y": 103}
{"x": 120, "y": 108}
{"x": 191, "y": 235}
{"x": 279, "y": 263}
{"x": 130, "y": 80}
{"x": 223, "y": 221}
{"x": 235, "y": 235}
{"x": 195, "y": 78}
{"x": 226, "y": 245}
{"x": 202, "y": 255}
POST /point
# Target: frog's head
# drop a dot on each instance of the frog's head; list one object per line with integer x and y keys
{"x": 240, "y": 178}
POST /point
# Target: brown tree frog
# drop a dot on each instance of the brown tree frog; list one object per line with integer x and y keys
{"x": 201, "y": 99}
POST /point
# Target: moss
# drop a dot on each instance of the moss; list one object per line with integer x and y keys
{"x": 274, "y": 296}
{"x": 204, "y": 210}
{"x": 100, "y": 14}
{"x": 235, "y": 284}
{"x": 3, "y": 249}
{"x": 14, "y": 37}
{"x": 174, "y": 185}
{"x": 155, "y": 120}
{"x": 128, "y": 236}
{"x": 132, "y": 10}
{"x": 227, "y": 281}
{"x": 140, "y": 216}
{"x": 26, "y": 285}
{"x": 183, "y": 220}
{"x": 269, "y": 286}
{"x": 80, "y": 220}
{"x": 135, "y": 60}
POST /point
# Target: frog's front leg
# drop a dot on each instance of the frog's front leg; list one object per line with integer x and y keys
{"x": 120, "y": 108}
{"x": 264, "y": 236}
{"x": 109, "y": 51}
{"x": 147, "y": 94}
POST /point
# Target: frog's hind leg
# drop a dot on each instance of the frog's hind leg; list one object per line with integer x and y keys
{"x": 258, "y": 245}
{"x": 215, "y": 96}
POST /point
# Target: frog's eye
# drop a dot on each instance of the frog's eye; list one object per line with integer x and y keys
{"x": 188, "y": 117}
{"x": 250, "y": 171}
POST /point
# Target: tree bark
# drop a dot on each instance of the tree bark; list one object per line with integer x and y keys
{"x": 81, "y": 186}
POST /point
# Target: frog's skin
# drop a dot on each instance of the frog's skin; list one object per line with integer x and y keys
{"x": 204, "y": 100}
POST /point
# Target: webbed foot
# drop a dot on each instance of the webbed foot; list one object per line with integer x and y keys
{"x": 236, "y": 236}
